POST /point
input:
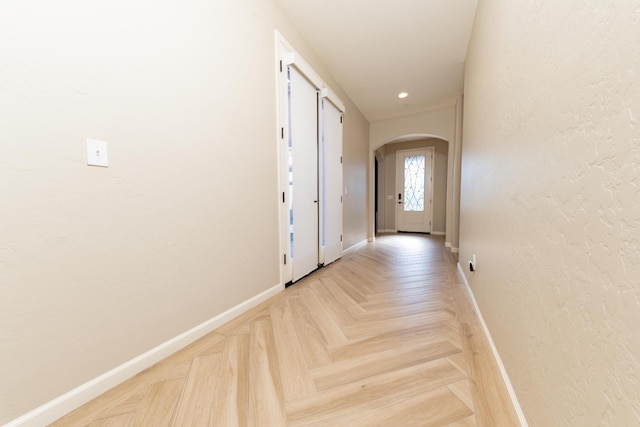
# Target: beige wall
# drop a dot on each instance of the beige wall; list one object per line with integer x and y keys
{"x": 98, "y": 265}
{"x": 355, "y": 158}
{"x": 438, "y": 123}
{"x": 550, "y": 202}
{"x": 387, "y": 172}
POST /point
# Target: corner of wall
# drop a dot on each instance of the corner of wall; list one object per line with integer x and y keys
{"x": 62, "y": 405}
{"x": 494, "y": 350}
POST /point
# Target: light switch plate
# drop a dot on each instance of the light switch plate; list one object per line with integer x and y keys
{"x": 97, "y": 153}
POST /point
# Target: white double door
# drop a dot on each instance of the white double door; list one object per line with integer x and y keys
{"x": 414, "y": 182}
{"x": 314, "y": 162}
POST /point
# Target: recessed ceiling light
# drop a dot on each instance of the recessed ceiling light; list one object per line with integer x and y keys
{"x": 403, "y": 95}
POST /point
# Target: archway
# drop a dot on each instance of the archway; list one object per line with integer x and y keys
{"x": 385, "y": 182}
{"x": 444, "y": 124}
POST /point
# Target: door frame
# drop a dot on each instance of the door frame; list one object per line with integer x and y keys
{"x": 286, "y": 55}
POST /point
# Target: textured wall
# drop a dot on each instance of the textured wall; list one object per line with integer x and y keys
{"x": 100, "y": 265}
{"x": 550, "y": 202}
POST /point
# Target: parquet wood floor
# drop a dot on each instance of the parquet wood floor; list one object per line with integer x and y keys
{"x": 384, "y": 336}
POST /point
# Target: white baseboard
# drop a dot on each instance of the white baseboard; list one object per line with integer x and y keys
{"x": 447, "y": 244}
{"x": 66, "y": 403}
{"x": 433, "y": 233}
{"x": 494, "y": 350}
{"x": 355, "y": 247}
{"x": 455, "y": 250}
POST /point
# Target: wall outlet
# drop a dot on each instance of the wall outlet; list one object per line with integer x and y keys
{"x": 472, "y": 263}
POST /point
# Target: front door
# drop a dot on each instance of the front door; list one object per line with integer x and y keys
{"x": 414, "y": 190}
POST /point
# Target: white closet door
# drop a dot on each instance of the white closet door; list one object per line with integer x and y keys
{"x": 332, "y": 180}
{"x": 303, "y": 122}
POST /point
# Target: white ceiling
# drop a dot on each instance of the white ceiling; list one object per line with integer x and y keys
{"x": 377, "y": 48}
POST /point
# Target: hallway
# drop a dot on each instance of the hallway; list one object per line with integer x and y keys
{"x": 384, "y": 336}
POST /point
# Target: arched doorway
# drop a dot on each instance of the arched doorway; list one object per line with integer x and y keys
{"x": 388, "y": 192}
{"x": 444, "y": 124}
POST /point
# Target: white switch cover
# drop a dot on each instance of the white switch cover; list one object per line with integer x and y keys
{"x": 97, "y": 153}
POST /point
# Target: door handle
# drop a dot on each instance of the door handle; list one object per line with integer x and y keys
{"x": 399, "y": 198}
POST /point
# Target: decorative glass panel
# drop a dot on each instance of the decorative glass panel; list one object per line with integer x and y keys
{"x": 414, "y": 183}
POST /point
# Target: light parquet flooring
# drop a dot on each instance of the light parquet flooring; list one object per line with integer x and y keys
{"x": 383, "y": 337}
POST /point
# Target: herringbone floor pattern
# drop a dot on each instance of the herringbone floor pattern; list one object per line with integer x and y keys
{"x": 374, "y": 339}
